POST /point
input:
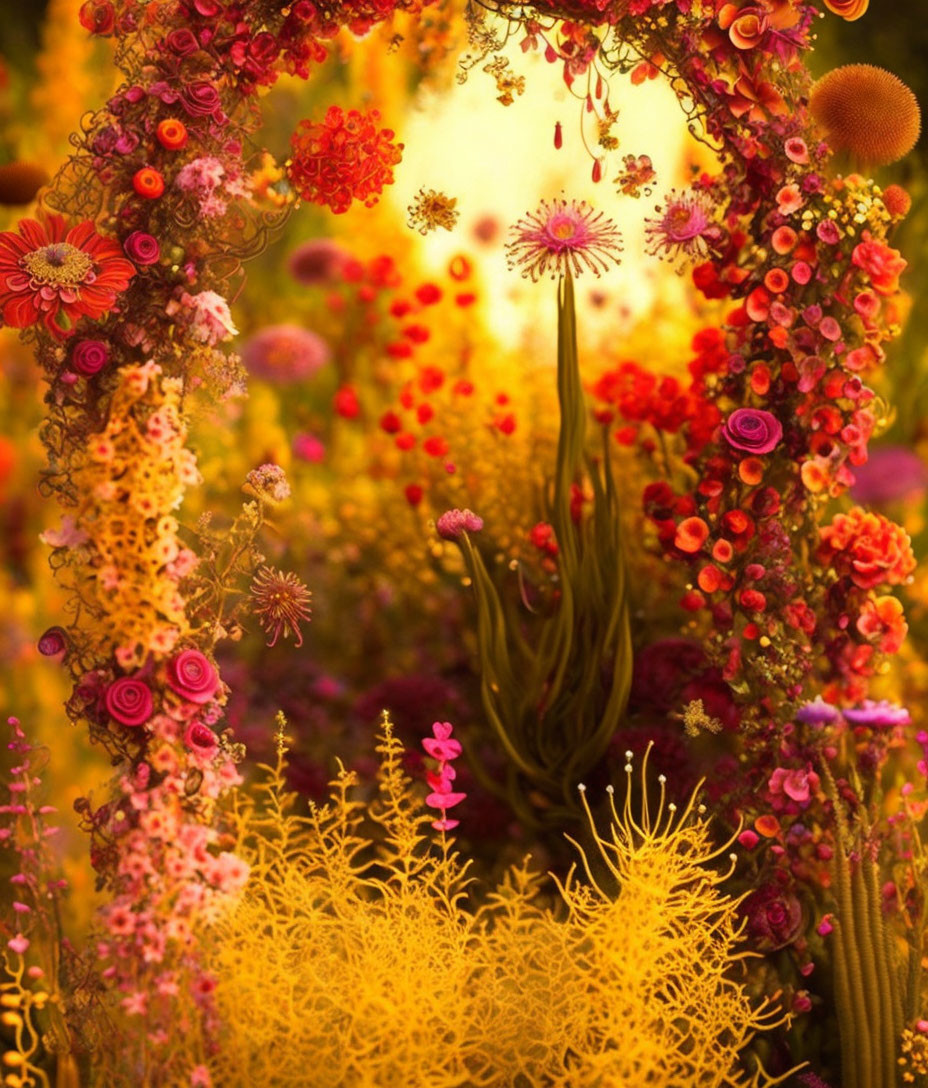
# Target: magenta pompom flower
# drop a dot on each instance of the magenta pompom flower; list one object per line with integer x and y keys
{"x": 285, "y": 353}
{"x": 129, "y": 701}
{"x": 752, "y": 430}
{"x": 191, "y": 676}
{"x": 453, "y": 523}
{"x": 564, "y": 237}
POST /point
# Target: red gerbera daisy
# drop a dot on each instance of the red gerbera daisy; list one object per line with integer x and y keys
{"x": 58, "y": 275}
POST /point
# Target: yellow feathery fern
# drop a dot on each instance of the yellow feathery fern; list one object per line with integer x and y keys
{"x": 359, "y": 955}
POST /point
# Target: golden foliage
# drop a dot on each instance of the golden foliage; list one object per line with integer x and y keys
{"x": 360, "y": 954}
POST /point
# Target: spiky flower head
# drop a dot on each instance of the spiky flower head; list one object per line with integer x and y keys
{"x": 431, "y": 210}
{"x": 684, "y": 226}
{"x": 867, "y": 111}
{"x": 563, "y": 237}
{"x": 281, "y": 603}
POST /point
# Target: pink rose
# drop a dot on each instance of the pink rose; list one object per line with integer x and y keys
{"x": 191, "y": 676}
{"x": 752, "y": 430}
{"x": 129, "y": 701}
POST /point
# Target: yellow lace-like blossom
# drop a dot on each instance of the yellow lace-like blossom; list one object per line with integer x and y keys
{"x": 431, "y": 210}
{"x": 358, "y": 950}
{"x": 133, "y": 478}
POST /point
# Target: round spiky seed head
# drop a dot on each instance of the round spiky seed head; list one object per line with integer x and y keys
{"x": 897, "y": 201}
{"x": 867, "y": 111}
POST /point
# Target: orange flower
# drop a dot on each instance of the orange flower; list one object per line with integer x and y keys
{"x": 692, "y": 533}
{"x": 847, "y": 9}
{"x": 882, "y": 621}
{"x": 745, "y": 27}
{"x": 172, "y": 134}
{"x": 882, "y": 264}
{"x": 869, "y": 549}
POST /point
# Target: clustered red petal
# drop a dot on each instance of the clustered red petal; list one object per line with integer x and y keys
{"x": 343, "y": 158}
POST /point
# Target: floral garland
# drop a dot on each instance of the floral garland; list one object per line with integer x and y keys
{"x": 124, "y": 298}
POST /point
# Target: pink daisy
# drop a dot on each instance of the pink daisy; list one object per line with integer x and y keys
{"x": 563, "y": 237}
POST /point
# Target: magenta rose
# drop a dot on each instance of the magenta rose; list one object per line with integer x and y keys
{"x": 142, "y": 248}
{"x": 192, "y": 677}
{"x": 774, "y": 917}
{"x": 752, "y": 430}
{"x": 182, "y": 42}
{"x": 201, "y": 99}
{"x": 129, "y": 701}
{"x": 89, "y": 357}
{"x": 200, "y": 739}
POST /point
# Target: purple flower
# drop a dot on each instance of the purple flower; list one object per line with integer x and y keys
{"x": 879, "y": 714}
{"x": 453, "y": 523}
{"x": 285, "y": 353}
{"x": 53, "y": 642}
{"x": 891, "y": 473}
{"x": 316, "y": 262}
{"x": 817, "y": 712}
{"x": 89, "y": 356}
{"x": 142, "y": 248}
{"x": 752, "y": 430}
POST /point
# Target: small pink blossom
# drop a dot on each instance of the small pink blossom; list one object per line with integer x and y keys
{"x": 18, "y": 944}
{"x": 68, "y": 536}
{"x": 791, "y": 788}
{"x": 453, "y": 523}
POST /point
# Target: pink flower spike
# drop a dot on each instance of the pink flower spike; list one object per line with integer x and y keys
{"x": 442, "y": 750}
{"x": 18, "y": 944}
{"x": 444, "y": 800}
{"x": 441, "y": 781}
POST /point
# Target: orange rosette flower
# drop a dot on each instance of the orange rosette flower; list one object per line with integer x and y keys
{"x": 868, "y": 548}
{"x": 58, "y": 275}
{"x": 849, "y": 10}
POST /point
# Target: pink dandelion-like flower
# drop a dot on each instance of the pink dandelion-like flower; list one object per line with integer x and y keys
{"x": 684, "y": 226}
{"x": 563, "y": 237}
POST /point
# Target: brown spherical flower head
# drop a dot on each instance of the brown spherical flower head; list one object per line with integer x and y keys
{"x": 866, "y": 111}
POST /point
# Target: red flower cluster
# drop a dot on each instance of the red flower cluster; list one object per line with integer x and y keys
{"x": 346, "y": 157}
{"x": 868, "y": 548}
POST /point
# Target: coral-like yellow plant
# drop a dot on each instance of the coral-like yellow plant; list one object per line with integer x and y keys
{"x": 361, "y": 954}
{"x": 132, "y": 477}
